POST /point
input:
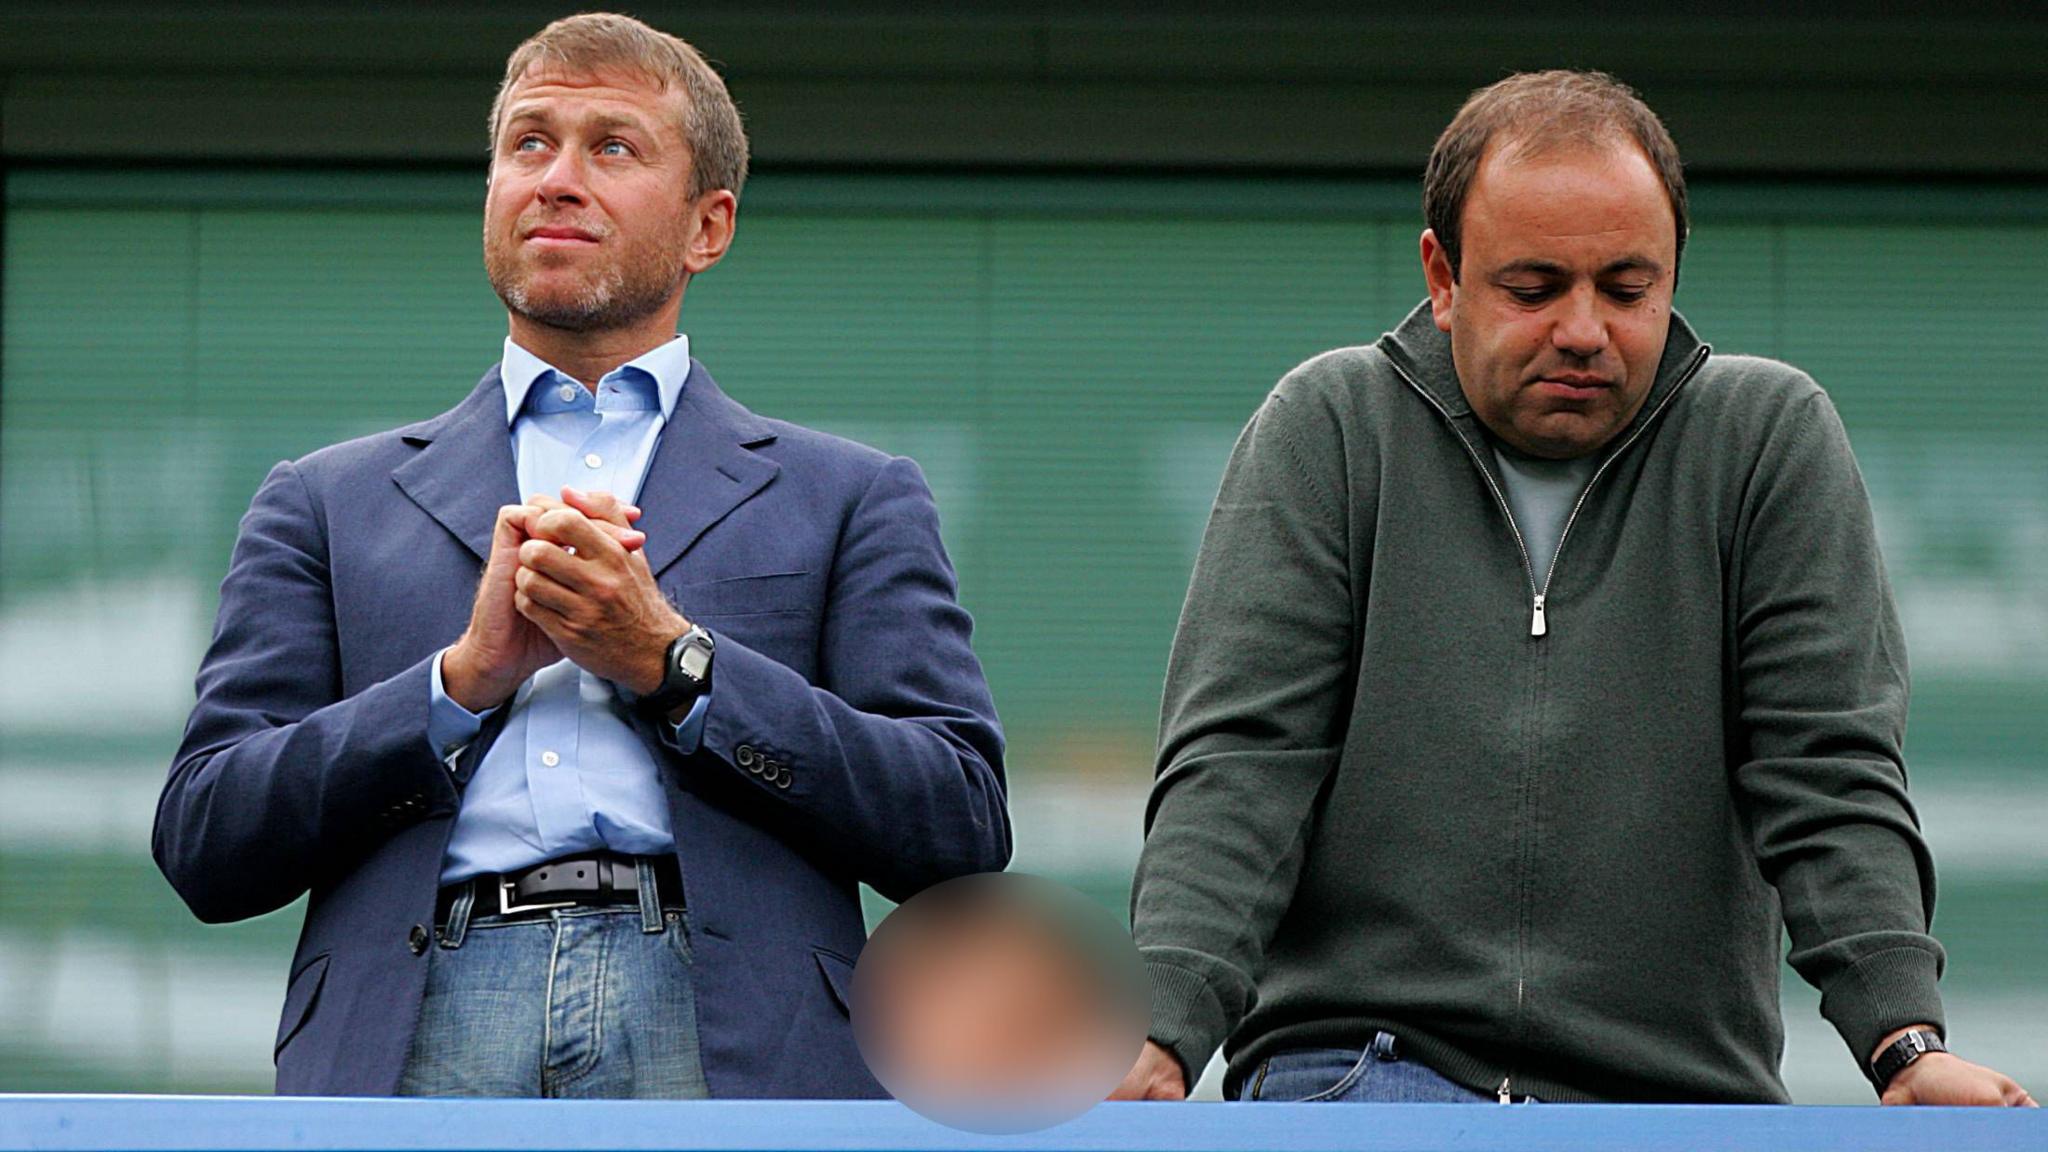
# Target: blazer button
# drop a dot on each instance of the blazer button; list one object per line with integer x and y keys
{"x": 417, "y": 939}
{"x": 744, "y": 754}
{"x": 782, "y": 781}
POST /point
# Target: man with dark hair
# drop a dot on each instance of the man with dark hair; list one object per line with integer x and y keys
{"x": 1537, "y": 671}
{"x": 583, "y": 787}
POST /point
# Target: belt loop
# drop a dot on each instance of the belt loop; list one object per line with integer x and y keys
{"x": 650, "y": 898}
{"x": 1385, "y": 1047}
{"x": 458, "y": 915}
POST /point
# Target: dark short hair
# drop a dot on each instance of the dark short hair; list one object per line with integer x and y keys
{"x": 1534, "y": 113}
{"x": 605, "y": 41}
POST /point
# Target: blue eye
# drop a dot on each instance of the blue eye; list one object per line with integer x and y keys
{"x": 524, "y": 141}
{"x": 615, "y": 148}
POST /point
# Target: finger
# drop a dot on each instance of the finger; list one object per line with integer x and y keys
{"x": 571, "y": 571}
{"x": 600, "y": 505}
{"x": 511, "y": 524}
{"x": 572, "y": 529}
{"x": 552, "y": 624}
{"x": 636, "y": 566}
{"x": 507, "y": 533}
{"x": 613, "y": 521}
{"x": 631, "y": 539}
{"x": 628, "y": 538}
{"x": 535, "y": 588}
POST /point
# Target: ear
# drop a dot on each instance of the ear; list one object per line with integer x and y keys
{"x": 715, "y": 214}
{"x": 1436, "y": 271}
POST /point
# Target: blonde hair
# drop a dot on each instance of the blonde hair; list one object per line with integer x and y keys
{"x": 605, "y": 41}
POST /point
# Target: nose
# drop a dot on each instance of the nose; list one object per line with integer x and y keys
{"x": 563, "y": 181}
{"x": 1580, "y": 330}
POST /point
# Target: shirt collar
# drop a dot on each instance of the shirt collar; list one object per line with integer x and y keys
{"x": 668, "y": 364}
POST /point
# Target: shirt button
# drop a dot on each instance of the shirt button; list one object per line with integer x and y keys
{"x": 593, "y": 461}
{"x": 568, "y": 392}
{"x": 550, "y": 759}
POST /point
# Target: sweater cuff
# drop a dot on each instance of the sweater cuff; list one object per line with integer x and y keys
{"x": 1187, "y": 1017}
{"x": 1881, "y": 993}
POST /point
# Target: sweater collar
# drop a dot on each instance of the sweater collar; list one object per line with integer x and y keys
{"x": 1423, "y": 351}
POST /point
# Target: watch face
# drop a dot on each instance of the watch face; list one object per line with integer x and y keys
{"x": 694, "y": 662}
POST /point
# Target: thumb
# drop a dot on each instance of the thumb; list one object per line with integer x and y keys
{"x": 508, "y": 534}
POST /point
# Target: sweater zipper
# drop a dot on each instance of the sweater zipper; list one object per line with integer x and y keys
{"x": 1538, "y": 624}
{"x": 1699, "y": 357}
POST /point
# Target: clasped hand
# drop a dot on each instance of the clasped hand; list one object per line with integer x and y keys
{"x": 568, "y": 579}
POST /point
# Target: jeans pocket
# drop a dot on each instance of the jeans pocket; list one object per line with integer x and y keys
{"x": 1310, "y": 1075}
{"x": 676, "y": 933}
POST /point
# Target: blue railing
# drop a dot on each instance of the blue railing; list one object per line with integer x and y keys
{"x": 237, "y": 1124}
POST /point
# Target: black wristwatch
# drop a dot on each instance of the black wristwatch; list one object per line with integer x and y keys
{"x": 1901, "y": 1052}
{"x": 685, "y": 676}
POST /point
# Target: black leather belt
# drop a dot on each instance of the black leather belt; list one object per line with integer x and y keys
{"x": 571, "y": 881}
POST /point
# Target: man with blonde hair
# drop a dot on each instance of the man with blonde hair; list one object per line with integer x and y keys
{"x": 582, "y": 709}
{"x": 1538, "y": 671}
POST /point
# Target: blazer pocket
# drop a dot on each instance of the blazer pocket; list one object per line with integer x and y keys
{"x": 768, "y": 593}
{"x": 299, "y": 999}
{"x": 838, "y": 973}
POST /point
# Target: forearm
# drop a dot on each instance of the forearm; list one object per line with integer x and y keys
{"x": 1250, "y": 726}
{"x": 909, "y": 793}
{"x": 1223, "y": 853}
{"x": 254, "y": 811}
{"x": 279, "y": 775}
{"x": 1822, "y": 777}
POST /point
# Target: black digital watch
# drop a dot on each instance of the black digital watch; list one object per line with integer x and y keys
{"x": 685, "y": 676}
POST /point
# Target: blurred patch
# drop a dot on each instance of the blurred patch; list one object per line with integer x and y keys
{"x": 1000, "y": 1003}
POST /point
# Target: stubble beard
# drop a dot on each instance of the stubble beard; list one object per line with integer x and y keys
{"x": 619, "y": 294}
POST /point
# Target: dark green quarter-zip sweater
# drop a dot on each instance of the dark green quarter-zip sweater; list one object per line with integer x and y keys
{"x": 1546, "y": 835}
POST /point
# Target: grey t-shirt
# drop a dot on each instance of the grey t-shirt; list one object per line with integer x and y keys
{"x": 1542, "y": 492}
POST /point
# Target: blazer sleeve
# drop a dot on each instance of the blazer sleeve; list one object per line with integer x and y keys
{"x": 279, "y": 780}
{"x": 893, "y": 759}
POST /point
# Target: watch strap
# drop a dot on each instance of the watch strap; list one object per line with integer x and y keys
{"x": 1902, "y": 1052}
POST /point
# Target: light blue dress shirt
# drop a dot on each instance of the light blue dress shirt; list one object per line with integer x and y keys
{"x": 568, "y": 774}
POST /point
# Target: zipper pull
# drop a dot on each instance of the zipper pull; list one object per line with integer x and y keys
{"x": 1505, "y": 1096}
{"x": 1536, "y": 626}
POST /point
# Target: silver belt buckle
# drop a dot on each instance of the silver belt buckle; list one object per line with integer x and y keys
{"x": 506, "y": 907}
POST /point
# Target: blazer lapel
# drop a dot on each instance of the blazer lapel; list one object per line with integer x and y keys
{"x": 702, "y": 469}
{"x": 464, "y": 471}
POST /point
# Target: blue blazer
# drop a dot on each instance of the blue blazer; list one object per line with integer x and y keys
{"x": 842, "y": 653}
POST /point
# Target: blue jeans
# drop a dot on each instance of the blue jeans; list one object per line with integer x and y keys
{"x": 1376, "y": 1074}
{"x": 592, "y": 1002}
